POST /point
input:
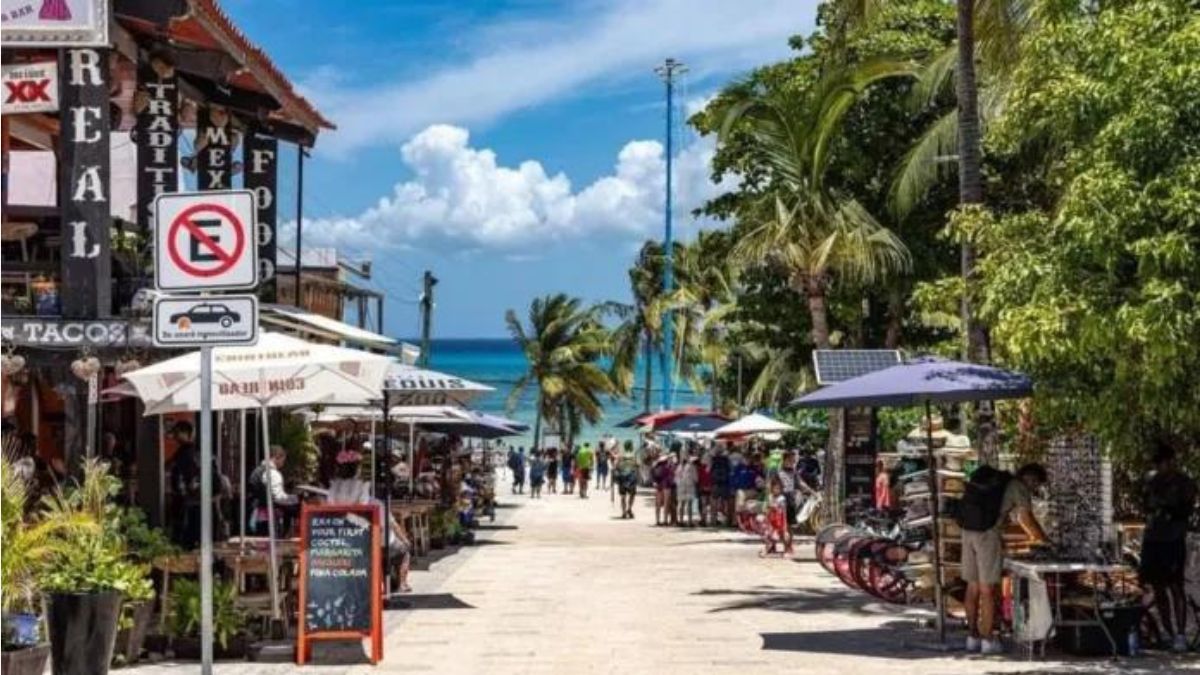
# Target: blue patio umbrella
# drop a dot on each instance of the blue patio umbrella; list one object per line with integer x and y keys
{"x": 924, "y": 381}
{"x": 694, "y": 423}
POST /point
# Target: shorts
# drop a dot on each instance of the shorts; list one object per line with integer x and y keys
{"x": 627, "y": 487}
{"x": 585, "y": 474}
{"x": 790, "y": 508}
{"x": 982, "y": 557}
{"x": 1163, "y": 562}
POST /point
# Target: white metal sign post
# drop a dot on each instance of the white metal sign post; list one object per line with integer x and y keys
{"x": 204, "y": 241}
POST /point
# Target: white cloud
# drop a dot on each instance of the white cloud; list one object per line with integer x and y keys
{"x": 513, "y": 70}
{"x": 461, "y": 197}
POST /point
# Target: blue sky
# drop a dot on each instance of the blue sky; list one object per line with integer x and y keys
{"x": 514, "y": 148}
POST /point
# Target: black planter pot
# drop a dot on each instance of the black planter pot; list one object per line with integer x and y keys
{"x": 83, "y": 629}
{"x": 26, "y": 661}
{"x": 131, "y": 640}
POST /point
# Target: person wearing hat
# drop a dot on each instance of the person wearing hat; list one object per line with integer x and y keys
{"x": 662, "y": 474}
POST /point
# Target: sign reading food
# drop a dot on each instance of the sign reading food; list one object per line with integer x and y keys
{"x": 340, "y": 577}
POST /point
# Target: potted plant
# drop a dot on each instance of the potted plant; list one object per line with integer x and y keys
{"x": 439, "y": 528}
{"x": 145, "y": 545}
{"x": 84, "y": 584}
{"x": 183, "y": 622}
{"x": 27, "y": 545}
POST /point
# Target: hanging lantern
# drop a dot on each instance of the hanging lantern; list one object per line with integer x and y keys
{"x": 11, "y": 364}
{"x": 85, "y": 367}
{"x": 126, "y": 365}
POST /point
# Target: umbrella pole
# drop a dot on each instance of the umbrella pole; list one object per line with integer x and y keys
{"x": 387, "y": 496}
{"x": 374, "y": 463}
{"x": 242, "y": 479}
{"x": 271, "y": 570}
{"x": 935, "y": 512}
{"x": 412, "y": 470}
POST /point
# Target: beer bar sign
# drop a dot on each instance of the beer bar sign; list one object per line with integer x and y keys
{"x": 30, "y": 87}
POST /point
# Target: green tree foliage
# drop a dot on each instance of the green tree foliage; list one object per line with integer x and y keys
{"x": 1091, "y": 271}
{"x": 563, "y": 344}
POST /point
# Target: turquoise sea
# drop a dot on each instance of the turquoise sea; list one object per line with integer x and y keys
{"x": 499, "y": 363}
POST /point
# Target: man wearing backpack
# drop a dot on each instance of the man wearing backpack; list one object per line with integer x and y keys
{"x": 991, "y": 497}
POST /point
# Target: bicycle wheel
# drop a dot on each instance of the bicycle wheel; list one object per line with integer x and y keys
{"x": 844, "y": 550}
{"x": 867, "y": 560}
{"x": 825, "y": 541}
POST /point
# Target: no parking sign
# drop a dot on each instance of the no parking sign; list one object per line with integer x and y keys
{"x": 205, "y": 241}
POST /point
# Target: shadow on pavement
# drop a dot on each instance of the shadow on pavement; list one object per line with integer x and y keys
{"x": 797, "y": 600}
{"x": 495, "y": 528}
{"x": 893, "y": 640}
{"x": 724, "y": 540}
{"x": 426, "y": 601}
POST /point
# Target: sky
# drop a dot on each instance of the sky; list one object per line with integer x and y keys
{"x": 514, "y": 148}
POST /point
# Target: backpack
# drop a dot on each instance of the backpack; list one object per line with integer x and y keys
{"x": 979, "y": 508}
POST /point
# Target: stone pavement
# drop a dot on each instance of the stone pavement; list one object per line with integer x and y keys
{"x": 562, "y": 585}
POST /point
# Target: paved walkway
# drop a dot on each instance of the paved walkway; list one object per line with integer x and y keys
{"x": 561, "y": 585}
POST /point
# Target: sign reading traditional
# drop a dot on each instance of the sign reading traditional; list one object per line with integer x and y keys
{"x": 340, "y": 577}
{"x": 157, "y": 137}
{"x": 30, "y": 87}
{"x": 84, "y": 185}
{"x": 195, "y": 321}
{"x": 260, "y": 166}
{"x": 204, "y": 241}
{"x": 55, "y": 23}
{"x": 215, "y": 141}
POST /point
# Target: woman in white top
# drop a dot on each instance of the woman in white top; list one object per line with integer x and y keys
{"x": 686, "y": 479}
{"x": 348, "y": 488}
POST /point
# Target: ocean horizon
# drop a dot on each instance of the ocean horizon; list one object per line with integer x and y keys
{"x": 499, "y": 363}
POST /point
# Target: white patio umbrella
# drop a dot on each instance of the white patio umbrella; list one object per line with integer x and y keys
{"x": 413, "y": 386}
{"x": 278, "y": 372}
{"x": 753, "y": 425}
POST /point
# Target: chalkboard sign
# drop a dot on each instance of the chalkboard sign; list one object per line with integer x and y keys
{"x": 340, "y": 576}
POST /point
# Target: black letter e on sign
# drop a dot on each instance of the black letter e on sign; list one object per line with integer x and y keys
{"x": 200, "y": 252}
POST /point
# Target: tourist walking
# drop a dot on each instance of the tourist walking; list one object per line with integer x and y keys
{"x": 602, "y": 459}
{"x": 662, "y": 474}
{"x": 686, "y": 479}
{"x": 775, "y": 528}
{"x": 722, "y": 490}
{"x": 537, "y": 475}
{"x": 788, "y": 475}
{"x": 567, "y": 468}
{"x": 1168, "y": 502}
{"x": 519, "y": 472}
{"x": 625, "y": 476}
{"x": 585, "y": 459}
{"x": 704, "y": 490}
{"x": 552, "y": 470}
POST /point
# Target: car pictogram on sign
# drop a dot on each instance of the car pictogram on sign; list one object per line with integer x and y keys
{"x": 207, "y": 313}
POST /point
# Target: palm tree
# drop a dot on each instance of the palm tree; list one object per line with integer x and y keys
{"x": 815, "y": 234}
{"x": 705, "y": 297}
{"x": 640, "y": 330}
{"x": 563, "y": 343}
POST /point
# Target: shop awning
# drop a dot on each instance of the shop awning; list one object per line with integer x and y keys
{"x": 283, "y": 316}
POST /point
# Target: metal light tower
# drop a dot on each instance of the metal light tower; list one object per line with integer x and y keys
{"x": 668, "y": 71}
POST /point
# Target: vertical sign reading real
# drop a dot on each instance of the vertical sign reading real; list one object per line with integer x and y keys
{"x": 260, "y": 166}
{"x": 157, "y": 138}
{"x": 84, "y": 184}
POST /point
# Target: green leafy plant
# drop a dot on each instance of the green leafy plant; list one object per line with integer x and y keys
{"x": 295, "y": 435}
{"x": 184, "y": 617}
{"x": 97, "y": 558}
{"x": 145, "y": 542}
{"x": 31, "y": 543}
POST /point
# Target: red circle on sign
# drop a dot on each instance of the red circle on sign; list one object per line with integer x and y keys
{"x": 227, "y": 259}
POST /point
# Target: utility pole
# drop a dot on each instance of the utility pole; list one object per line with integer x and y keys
{"x": 668, "y": 71}
{"x": 300, "y": 155}
{"x": 426, "y": 316}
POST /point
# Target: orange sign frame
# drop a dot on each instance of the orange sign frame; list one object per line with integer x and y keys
{"x": 305, "y": 638}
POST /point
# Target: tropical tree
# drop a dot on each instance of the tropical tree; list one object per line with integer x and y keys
{"x": 701, "y": 305}
{"x": 640, "y": 329}
{"x": 563, "y": 343}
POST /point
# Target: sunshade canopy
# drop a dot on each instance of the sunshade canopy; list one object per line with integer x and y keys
{"x": 754, "y": 424}
{"x": 920, "y": 381}
{"x": 279, "y": 371}
{"x": 409, "y": 385}
{"x": 694, "y": 424}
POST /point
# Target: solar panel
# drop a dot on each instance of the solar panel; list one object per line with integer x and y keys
{"x": 836, "y": 365}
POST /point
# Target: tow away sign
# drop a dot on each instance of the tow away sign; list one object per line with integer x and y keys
{"x": 205, "y": 241}
{"x": 199, "y": 321}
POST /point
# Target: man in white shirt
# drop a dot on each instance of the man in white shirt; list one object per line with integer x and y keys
{"x": 268, "y": 476}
